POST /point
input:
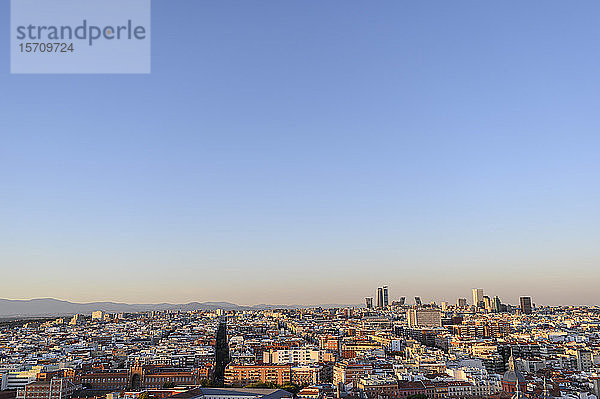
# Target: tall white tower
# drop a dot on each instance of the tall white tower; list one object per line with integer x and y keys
{"x": 477, "y": 296}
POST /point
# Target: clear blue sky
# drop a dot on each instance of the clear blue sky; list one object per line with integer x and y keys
{"x": 309, "y": 151}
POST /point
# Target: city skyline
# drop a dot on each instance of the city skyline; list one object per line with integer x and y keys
{"x": 300, "y": 199}
{"x": 408, "y": 300}
{"x": 434, "y": 290}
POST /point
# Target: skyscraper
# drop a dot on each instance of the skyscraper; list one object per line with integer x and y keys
{"x": 380, "y": 297}
{"x": 496, "y": 305}
{"x": 402, "y": 300}
{"x": 418, "y": 301}
{"x": 369, "y": 302}
{"x": 477, "y": 297}
{"x": 487, "y": 303}
{"x": 461, "y": 302}
{"x": 526, "y": 307}
{"x": 385, "y": 296}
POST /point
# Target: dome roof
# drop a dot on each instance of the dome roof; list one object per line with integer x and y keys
{"x": 513, "y": 376}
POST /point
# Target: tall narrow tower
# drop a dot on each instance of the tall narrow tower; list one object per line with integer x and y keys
{"x": 385, "y": 296}
{"x": 380, "y": 297}
{"x": 477, "y": 297}
{"x": 526, "y": 307}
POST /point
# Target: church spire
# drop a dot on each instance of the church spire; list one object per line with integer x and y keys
{"x": 511, "y": 361}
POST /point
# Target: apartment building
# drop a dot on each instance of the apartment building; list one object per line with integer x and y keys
{"x": 291, "y": 356}
{"x": 246, "y": 374}
{"x": 347, "y": 372}
{"x": 56, "y": 388}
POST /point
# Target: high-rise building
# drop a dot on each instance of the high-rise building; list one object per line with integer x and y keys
{"x": 379, "y": 297}
{"x": 461, "y": 302}
{"x": 526, "y": 307}
{"x": 418, "y": 301}
{"x": 444, "y": 306}
{"x": 386, "y": 301}
{"x": 478, "y": 297}
{"x": 402, "y": 300}
{"x": 424, "y": 317}
{"x": 487, "y": 303}
{"x": 369, "y": 302}
{"x": 496, "y": 305}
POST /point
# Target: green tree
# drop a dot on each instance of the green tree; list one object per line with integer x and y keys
{"x": 291, "y": 388}
{"x": 269, "y": 385}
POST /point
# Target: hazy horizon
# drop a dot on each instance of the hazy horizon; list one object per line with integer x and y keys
{"x": 309, "y": 152}
{"x": 513, "y": 300}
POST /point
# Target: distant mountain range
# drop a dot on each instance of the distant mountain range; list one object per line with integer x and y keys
{"x": 10, "y": 308}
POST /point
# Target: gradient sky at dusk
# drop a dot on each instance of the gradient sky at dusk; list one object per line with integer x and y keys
{"x": 309, "y": 151}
